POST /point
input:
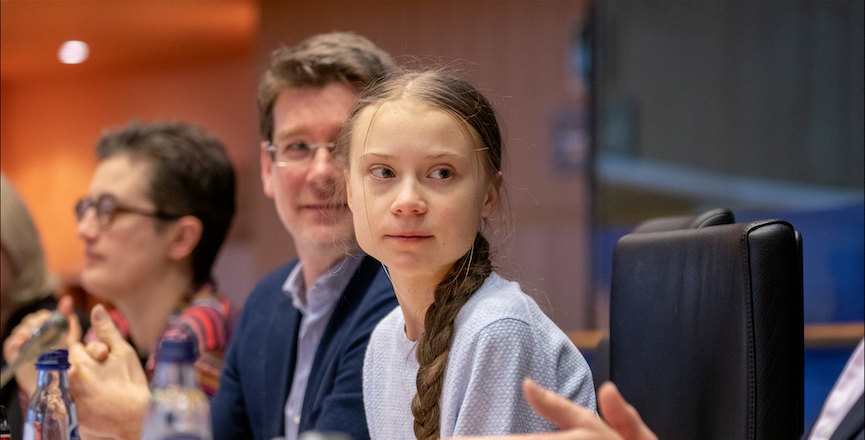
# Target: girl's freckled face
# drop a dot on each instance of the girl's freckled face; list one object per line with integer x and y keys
{"x": 416, "y": 186}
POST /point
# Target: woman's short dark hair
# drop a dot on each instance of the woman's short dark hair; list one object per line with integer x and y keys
{"x": 191, "y": 175}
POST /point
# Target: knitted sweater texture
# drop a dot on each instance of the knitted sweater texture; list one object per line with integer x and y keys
{"x": 501, "y": 337}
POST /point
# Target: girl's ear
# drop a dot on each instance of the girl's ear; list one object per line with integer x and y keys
{"x": 491, "y": 198}
{"x": 187, "y": 234}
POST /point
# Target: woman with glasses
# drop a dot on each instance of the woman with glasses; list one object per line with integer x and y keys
{"x": 158, "y": 208}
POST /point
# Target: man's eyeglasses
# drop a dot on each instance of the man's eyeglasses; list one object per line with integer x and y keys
{"x": 107, "y": 207}
{"x": 284, "y": 154}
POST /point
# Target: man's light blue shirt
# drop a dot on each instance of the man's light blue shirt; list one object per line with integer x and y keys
{"x": 316, "y": 305}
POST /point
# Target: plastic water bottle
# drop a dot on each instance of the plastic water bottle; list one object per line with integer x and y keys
{"x": 178, "y": 408}
{"x": 51, "y": 413}
{"x": 5, "y": 430}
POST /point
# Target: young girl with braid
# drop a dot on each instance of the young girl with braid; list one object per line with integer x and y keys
{"x": 423, "y": 171}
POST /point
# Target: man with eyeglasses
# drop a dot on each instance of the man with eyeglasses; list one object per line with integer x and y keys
{"x": 295, "y": 359}
{"x": 158, "y": 209}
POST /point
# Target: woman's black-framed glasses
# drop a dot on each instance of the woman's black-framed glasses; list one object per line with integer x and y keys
{"x": 107, "y": 207}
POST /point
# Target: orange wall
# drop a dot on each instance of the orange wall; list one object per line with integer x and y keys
{"x": 515, "y": 51}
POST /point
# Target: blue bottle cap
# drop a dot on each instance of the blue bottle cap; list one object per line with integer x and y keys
{"x": 181, "y": 350}
{"x": 54, "y": 360}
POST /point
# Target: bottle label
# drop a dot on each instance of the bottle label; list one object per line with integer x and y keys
{"x": 32, "y": 431}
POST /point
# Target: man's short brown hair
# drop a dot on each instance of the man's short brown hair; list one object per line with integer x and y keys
{"x": 315, "y": 62}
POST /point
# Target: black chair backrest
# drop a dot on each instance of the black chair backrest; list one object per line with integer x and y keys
{"x": 706, "y": 330}
{"x": 713, "y": 217}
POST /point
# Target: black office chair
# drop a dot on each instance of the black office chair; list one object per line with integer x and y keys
{"x": 712, "y": 217}
{"x": 706, "y": 330}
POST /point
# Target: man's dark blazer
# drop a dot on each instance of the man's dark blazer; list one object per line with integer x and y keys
{"x": 260, "y": 361}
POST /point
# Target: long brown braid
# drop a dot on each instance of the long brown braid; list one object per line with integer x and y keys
{"x": 433, "y": 348}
